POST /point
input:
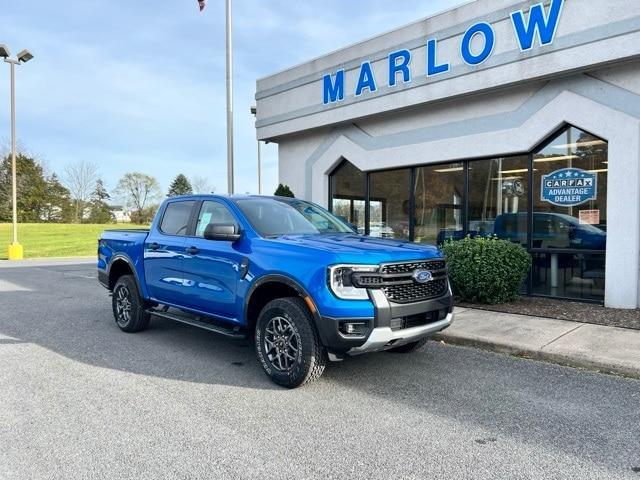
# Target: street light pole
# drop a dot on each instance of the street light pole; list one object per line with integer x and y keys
{"x": 16, "y": 252}
{"x": 14, "y": 181}
{"x": 254, "y": 112}
{"x": 229, "y": 99}
{"x": 259, "y": 171}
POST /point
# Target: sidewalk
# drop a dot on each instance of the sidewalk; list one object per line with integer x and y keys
{"x": 595, "y": 347}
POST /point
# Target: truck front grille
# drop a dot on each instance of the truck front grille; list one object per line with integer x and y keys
{"x": 411, "y": 266}
{"x": 416, "y": 292}
{"x": 410, "y": 291}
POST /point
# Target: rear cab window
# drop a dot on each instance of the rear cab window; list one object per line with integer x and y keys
{"x": 175, "y": 220}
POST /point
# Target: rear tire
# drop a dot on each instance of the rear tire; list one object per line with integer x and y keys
{"x": 128, "y": 307}
{"x": 287, "y": 343}
{"x": 409, "y": 347}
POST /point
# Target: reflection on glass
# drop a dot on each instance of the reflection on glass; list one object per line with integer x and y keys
{"x": 439, "y": 199}
{"x": 571, "y": 217}
{"x": 566, "y": 223}
{"x": 348, "y": 189}
{"x": 389, "y": 204}
{"x": 566, "y": 220}
{"x": 569, "y": 275}
{"x": 498, "y": 198}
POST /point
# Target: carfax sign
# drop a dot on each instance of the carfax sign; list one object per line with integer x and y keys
{"x": 569, "y": 187}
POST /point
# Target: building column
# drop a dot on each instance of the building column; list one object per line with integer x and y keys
{"x": 622, "y": 286}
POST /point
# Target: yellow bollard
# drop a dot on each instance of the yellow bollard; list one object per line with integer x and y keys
{"x": 16, "y": 252}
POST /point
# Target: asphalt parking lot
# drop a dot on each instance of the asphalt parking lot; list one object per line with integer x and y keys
{"x": 80, "y": 399}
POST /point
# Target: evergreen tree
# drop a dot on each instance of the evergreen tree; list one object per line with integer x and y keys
{"x": 100, "y": 211}
{"x": 180, "y": 186}
{"x": 58, "y": 207}
{"x": 31, "y": 189}
{"x": 284, "y": 191}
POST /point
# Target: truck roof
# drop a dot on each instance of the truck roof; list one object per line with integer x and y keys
{"x": 224, "y": 196}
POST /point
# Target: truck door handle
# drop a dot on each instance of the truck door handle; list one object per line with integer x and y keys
{"x": 193, "y": 250}
{"x": 154, "y": 246}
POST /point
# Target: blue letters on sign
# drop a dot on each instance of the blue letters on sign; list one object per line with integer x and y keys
{"x": 432, "y": 66}
{"x": 366, "y": 79}
{"x": 544, "y": 25}
{"x": 403, "y": 66}
{"x": 334, "y": 90}
{"x": 486, "y": 31}
{"x": 569, "y": 187}
{"x": 538, "y": 26}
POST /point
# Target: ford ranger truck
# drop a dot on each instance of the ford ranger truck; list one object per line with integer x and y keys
{"x": 298, "y": 280}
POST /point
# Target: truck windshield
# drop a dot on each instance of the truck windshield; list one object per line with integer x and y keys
{"x": 272, "y": 217}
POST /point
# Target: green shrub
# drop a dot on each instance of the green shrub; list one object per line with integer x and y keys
{"x": 283, "y": 191}
{"x": 486, "y": 269}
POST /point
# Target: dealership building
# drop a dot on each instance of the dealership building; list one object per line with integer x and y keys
{"x": 514, "y": 118}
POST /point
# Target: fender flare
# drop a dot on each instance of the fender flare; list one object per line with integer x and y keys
{"x": 121, "y": 257}
{"x": 280, "y": 278}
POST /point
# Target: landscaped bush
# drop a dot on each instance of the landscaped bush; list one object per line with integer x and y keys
{"x": 486, "y": 269}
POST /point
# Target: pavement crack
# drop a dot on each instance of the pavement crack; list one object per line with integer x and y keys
{"x": 564, "y": 334}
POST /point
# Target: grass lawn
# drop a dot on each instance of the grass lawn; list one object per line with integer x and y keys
{"x": 55, "y": 239}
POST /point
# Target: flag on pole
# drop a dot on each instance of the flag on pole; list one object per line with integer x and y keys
{"x": 201, "y": 4}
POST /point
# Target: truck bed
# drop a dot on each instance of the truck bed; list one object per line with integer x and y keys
{"x": 125, "y": 242}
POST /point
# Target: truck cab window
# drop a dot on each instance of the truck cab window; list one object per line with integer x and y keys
{"x": 213, "y": 212}
{"x": 175, "y": 220}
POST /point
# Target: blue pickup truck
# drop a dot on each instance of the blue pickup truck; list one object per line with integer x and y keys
{"x": 300, "y": 281}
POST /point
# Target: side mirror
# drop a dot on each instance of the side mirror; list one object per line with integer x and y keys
{"x": 222, "y": 232}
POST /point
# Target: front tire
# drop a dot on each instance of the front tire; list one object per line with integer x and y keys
{"x": 128, "y": 307}
{"x": 287, "y": 343}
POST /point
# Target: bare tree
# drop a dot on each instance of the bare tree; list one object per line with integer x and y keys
{"x": 201, "y": 185}
{"x": 138, "y": 190}
{"x": 80, "y": 178}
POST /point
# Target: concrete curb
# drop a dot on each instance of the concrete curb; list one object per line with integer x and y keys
{"x": 575, "y": 361}
{"x": 47, "y": 262}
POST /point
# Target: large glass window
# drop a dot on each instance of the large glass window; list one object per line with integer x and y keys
{"x": 498, "y": 198}
{"x": 552, "y": 201}
{"x": 389, "y": 203}
{"x": 570, "y": 201}
{"x": 438, "y": 192}
{"x": 569, "y": 236}
{"x": 348, "y": 190}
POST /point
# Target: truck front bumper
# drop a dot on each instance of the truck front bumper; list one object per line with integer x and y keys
{"x": 393, "y": 325}
{"x": 383, "y": 338}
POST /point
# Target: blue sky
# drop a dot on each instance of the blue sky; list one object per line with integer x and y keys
{"x": 139, "y": 85}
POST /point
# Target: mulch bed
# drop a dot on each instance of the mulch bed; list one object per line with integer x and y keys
{"x": 565, "y": 310}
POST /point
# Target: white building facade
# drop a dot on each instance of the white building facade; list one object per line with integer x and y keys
{"x": 514, "y": 118}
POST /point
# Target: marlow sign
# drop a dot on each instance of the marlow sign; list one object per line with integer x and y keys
{"x": 569, "y": 187}
{"x": 541, "y": 23}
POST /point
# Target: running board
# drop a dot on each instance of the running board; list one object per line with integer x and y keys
{"x": 194, "y": 322}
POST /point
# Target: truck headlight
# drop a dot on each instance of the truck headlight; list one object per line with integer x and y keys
{"x": 340, "y": 281}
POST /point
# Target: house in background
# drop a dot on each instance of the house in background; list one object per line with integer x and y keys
{"x": 120, "y": 213}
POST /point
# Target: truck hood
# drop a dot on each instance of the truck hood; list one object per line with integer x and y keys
{"x": 352, "y": 248}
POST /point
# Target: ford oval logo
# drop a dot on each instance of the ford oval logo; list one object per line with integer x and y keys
{"x": 422, "y": 276}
